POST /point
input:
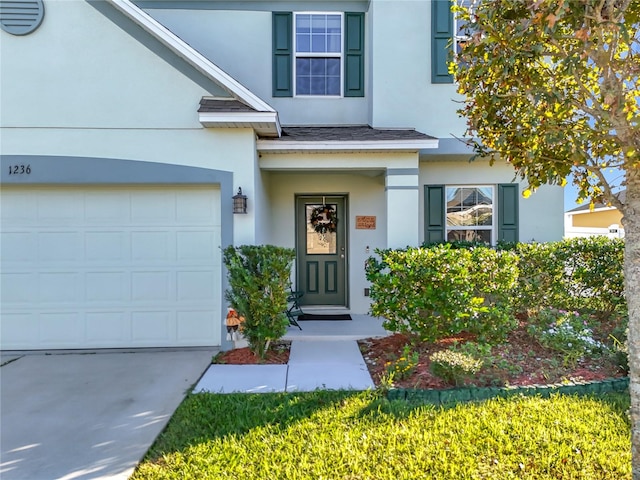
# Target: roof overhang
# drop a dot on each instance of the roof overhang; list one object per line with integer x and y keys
{"x": 284, "y": 146}
{"x": 264, "y": 123}
{"x": 345, "y": 138}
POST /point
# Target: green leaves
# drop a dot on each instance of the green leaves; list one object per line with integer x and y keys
{"x": 553, "y": 87}
{"x": 441, "y": 290}
{"x": 258, "y": 281}
{"x": 437, "y": 291}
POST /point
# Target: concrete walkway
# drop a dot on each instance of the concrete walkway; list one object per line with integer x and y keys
{"x": 313, "y": 365}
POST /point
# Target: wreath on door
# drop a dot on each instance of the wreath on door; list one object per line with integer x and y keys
{"x": 323, "y": 219}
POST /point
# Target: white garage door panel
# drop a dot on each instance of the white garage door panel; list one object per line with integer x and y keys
{"x": 110, "y": 267}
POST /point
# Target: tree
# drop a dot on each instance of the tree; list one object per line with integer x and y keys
{"x": 553, "y": 88}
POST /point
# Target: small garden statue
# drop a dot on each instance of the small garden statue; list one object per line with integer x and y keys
{"x": 234, "y": 324}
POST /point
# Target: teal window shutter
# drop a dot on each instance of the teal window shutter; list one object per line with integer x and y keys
{"x": 508, "y": 196}
{"x": 434, "y": 213}
{"x": 354, "y": 54}
{"x": 441, "y": 38}
{"x": 282, "y": 54}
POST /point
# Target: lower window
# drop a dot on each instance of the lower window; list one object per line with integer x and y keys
{"x": 470, "y": 214}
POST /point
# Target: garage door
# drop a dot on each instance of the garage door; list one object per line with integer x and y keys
{"x": 96, "y": 267}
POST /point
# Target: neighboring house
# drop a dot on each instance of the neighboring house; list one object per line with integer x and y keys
{"x": 603, "y": 219}
{"x": 128, "y": 126}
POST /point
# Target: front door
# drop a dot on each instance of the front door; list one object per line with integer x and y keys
{"x": 321, "y": 223}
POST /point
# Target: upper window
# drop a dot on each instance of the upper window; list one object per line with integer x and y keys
{"x": 470, "y": 214}
{"x": 318, "y": 54}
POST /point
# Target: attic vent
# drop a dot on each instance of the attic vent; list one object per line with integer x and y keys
{"x": 21, "y": 17}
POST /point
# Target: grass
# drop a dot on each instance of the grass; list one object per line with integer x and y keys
{"x": 357, "y": 436}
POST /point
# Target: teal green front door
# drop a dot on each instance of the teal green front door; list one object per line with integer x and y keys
{"x": 321, "y": 226}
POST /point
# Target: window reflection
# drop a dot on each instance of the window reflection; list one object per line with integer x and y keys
{"x": 320, "y": 243}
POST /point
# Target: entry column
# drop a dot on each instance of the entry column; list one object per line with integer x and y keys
{"x": 403, "y": 207}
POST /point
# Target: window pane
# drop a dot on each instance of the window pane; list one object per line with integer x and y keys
{"x": 319, "y": 66}
{"x": 318, "y": 43}
{"x": 303, "y": 43}
{"x": 303, "y": 66}
{"x": 333, "y": 67}
{"x": 303, "y": 85}
{"x": 469, "y": 236}
{"x": 319, "y": 24}
{"x": 334, "y": 43}
{"x": 469, "y": 206}
{"x": 333, "y": 86}
{"x": 333, "y": 24}
{"x": 303, "y": 23}
{"x": 320, "y": 243}
{"x": 318, "y": 86}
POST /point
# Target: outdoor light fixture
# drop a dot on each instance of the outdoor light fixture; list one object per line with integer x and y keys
{"x": 239, "y": 202}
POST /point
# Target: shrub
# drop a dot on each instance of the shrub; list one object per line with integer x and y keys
{"x": 258, "y": 280}
{"x": 583, "y": 274}
{"x": 566, "y": 332}
{"x": 404, "y": 366}
{"x": 438, "y": 291}
{"x": 454, "y": 367}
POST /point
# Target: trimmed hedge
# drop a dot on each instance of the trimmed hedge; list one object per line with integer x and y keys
{"x": 582, "y": 274}
{"x": 439, "y": 291}
{"x": 444, "y": 289}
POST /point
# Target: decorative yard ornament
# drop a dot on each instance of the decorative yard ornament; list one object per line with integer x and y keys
{"x": 234, "y": 324}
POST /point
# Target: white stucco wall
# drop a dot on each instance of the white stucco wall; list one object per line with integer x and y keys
{"x": 81, "y": 86}
{"x": 403, "y": 95}
{"x": 239, "y": 42}
{"x": 541, "y": 215}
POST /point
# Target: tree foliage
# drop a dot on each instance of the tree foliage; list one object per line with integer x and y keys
{"x": 553, "y": 87}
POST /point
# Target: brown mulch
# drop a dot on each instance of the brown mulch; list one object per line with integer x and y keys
{"x": 521, "y": 360}
{"x": 278, "y": 354}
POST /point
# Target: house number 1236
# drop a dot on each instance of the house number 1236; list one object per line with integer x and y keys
{"x": 19, "y": 169}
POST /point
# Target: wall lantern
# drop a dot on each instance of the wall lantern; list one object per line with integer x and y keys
{"x": 239, "y": 202}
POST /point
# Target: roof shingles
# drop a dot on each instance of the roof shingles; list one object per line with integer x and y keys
{"x": 357, "y": 133}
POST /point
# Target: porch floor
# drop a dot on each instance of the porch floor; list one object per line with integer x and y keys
{"x": 359, "y": 327}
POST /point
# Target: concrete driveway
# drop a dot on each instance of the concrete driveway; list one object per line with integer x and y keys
{"x": 81, "y": 416}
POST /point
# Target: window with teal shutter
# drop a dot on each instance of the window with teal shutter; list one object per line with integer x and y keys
{"x": 312, "y": 50}
{"x": 282, "y": 54}
{"x": 441, "y": 38}
{"x": 471, "y": 213}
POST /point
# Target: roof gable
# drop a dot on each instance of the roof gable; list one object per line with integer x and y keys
{"x": 187, "y": 53}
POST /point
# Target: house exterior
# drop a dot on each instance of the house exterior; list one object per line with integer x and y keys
{"x": 127, "y": 127}
{"x": 583, "y": 221}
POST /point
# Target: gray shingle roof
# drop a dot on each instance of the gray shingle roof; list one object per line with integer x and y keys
{"x": 215, "y": 105}
{"x": 357, "y": 133}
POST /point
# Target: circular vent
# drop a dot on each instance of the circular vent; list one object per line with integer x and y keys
{"x": 21, "y": 17}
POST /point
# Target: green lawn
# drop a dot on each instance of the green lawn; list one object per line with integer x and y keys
{"x": 346, "y": 435}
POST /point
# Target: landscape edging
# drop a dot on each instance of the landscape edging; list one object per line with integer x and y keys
{"x": 466, "y": 394}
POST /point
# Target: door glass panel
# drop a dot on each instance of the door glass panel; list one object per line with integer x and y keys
{"x": 321, "y": 228}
